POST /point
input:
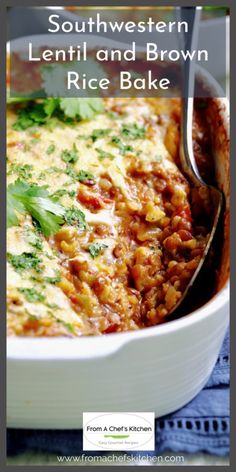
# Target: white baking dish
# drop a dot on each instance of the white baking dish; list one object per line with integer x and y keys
{"x": 51, "y": 382}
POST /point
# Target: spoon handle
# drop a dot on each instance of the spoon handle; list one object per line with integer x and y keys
{"x": 190, "y": 40}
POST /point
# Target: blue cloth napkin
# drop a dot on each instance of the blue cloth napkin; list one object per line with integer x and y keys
{"x": 200, "y": 426}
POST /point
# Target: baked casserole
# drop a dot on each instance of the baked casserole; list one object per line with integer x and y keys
{"x": 104, "y": 231}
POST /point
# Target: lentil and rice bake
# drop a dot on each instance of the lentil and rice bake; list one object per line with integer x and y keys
{"x": 104, "y": 231}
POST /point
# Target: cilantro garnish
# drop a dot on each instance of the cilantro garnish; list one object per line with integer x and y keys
{"x": 54, "y": 280}
{"x": 133, "y": 131}
{"x": 68, "y": 326}
{"x": 70, "y": 156}
{"x": 25, "y": 261}
{"x": 50, "y": 106}
{"x": 65, "y": 109}
{"x": 51, "y": 149}
{"x": 36, "y": 201}
{"x": 70, "y": 171}
{"x": 31, "y": 115}
{"x": 96, "y": 248}
{"x": 34, "y": 240}
{"x": 32, "y": 295}
{"x": 60, "y": 193}
{"x": 72, "y": 193}
{"x": 75, "y": 217}
{"x": 23, "y": 170}
{"x": 84, "y": 176}
{"x": 99, "y": 133}
{"x": 104, "y": 154}
{"x": 124, "y": 148}
{"x": 81, "y": 108}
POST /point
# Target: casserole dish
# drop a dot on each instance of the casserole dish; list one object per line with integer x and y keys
{"x": 51, "y": 382}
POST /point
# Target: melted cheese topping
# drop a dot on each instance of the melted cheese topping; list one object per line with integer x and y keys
{"x": 93, "y": 294}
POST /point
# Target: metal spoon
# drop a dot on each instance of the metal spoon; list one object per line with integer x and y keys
{"x": 187, "y": 159}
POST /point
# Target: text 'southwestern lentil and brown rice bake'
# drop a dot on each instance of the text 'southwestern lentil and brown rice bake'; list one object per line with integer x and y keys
{"x": 103, "y": 231}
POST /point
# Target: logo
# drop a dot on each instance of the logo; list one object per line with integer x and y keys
{"x": 119, "y": 431}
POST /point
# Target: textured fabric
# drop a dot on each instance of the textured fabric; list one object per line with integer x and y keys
{"x": 200, "y": 426}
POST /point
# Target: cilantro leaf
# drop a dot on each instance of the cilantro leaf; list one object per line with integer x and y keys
{"x": 124, "y": 148}
{"x": 38, "y": 114}
{"x": 74, "y": 216}
{"x": 36, "y": 201}
{"x": 47, "y": 213}
{"x": 23, "y": 170}
{"x": 59, "y": 193}
{"x": 96, "y": 248}
{"x": 23, "y": 121}
{"x": 32, "y": 295}
{"x": 99, "y": 133}
{"x": 54, "y": 280}
{"x": 65, "y": 109}
{"x": 34, "y": 240}
{"x": 133, "y": 131}
{"x": 70, "y": 156}
{"x": 104, "y": 154}
{"x": 24, "y": 261}
{"x": 31, "y": 115}
{"x": 82, "y": 108}
{"x": 13, "y": 205}
{"x": 84, "y": 176}
{"x": 51, "y": 149}
{"x": 50, "y": 106}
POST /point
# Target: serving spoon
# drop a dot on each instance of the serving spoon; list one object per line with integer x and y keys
{"x": 187, "y": 159}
